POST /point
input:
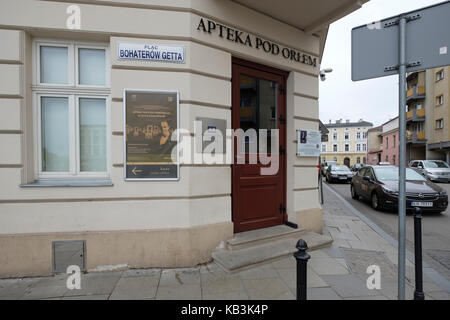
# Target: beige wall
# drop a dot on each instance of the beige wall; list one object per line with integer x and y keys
{"x": 202, "y": 196}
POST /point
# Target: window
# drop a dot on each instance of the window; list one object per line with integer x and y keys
{"x": 334, "y": 147}
{"x": 324, "y": 148}
{"x": 358, "y": 160}
{"x": 394, "y": 141}
{"x": 364, "y": 147}
{"x": 393, "y": 159}
{"x": 440, "y": 124}
{"x": 71, "y": 90}
{"x": 358, "y": 135}
{"x": 335, "y": 136}
{"x": 387, "y": 142}
{"x": 358, "y": 147}
{"x": 347, "y": 147}
{"x": 440, "y": 75}
{"x": 387, "y": 158}
{"x": 364, "y": 160}
{"x": 346, "y": 135}
{"x": 364, "y": 135}
{"x": 440, "y": 100}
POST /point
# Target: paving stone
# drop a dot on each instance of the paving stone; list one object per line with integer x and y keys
{"x": 173, "y": 277}
{"x": 349, "y": 286}
{"x": 380, "y": 297}
{"x": 13, "y": 289}
{"x": 236, "y": 295}
{"x": 90, "y": 297}
{"x": 285, "y": 263}
{"x": 211, "y": 285}
{"x": 133, "y": 288}
{"x": 439, "y": 295}
{"x": 322, "y": 294}
{"x": 327, "y": 266}
{"x": 267, "y": 289}
{"x": 359, "y": 260}
{"x": 262, "y": 272}
{"x": 182, "y": 292}
{"x": 333, "y": 251}
{"x": 43, "y": 292}
{"x": 340, "y": 243}
{"x": 96, "y": 283}
{"x": 141, "y": 273}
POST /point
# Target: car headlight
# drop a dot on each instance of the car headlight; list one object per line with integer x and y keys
{"x": 389, "y": 191}
{"x": 443, "y": 193}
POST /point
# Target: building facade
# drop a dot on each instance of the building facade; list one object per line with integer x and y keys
{"x": 428, "y": 134}
{"x": 374, "y": 145}
{"x": 389, "y": 141}
{"x": 347, "y": 142}
{"x": 69, "y": 75}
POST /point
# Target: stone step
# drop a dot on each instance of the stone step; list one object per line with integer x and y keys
{"x": 237, "y": 260}
{"x": 255, "y": 237}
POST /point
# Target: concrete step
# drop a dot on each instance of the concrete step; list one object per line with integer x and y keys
{"x": 255, "y": 237}
{"x": 237, "y": 260}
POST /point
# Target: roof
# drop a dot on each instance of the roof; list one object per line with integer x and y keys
{"x": 379, "y": 128}
{"x": 350, "y": 124}
{"x": 323, "y": 128}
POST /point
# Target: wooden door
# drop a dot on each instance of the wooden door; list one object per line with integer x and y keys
{"x": 258, "y": 102}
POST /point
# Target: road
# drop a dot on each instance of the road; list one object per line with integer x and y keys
{"x": 435, "y": 228}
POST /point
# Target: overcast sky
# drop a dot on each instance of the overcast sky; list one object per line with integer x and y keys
{"x": 374, "y": 100}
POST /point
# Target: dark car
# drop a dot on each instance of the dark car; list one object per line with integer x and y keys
{"x": 339, "y": 173}
{"x": 379, "y": 185}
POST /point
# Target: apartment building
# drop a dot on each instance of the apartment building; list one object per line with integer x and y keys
{"x": 347, "y": 142}
{"x": 428, "y": 115}
{"x": 389, "y": 142}
{"x": 374, "y": 145}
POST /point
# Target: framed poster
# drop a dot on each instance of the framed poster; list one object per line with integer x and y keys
{"x": 308, "y": 143}
{"x": 150, "y": 144}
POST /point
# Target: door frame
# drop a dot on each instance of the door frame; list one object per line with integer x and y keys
{"x": 236, "y": 124}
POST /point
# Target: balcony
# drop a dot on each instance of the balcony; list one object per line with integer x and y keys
{"x": 415, "y": 115}
{"x": 415, "y": 93}
{"x": 416, "y": 137}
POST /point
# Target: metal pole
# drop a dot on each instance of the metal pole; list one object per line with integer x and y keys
{"x": 402, "y": 165}
{"x": 418, "y": 293}
{"x": 302, "y": 259}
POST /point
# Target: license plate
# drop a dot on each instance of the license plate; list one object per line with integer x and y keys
{"x": 421, "y": 204}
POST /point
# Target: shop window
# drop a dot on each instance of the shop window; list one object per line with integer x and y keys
{"x": 71, "y": 90}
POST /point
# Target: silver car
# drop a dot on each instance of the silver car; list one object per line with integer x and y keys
{"x": 434, "y": 170}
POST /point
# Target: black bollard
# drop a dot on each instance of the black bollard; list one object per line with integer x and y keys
{"x": 418, "y": 293}
{"x": 302, "y": 259}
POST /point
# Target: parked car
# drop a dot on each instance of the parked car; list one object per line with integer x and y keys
{"x": 338, "y": 173}
{"x": 384, "y": 164}
{"x": 356, "y": 167}
{"x": 325, "y": 166}
{"x": 379, "y": 185}
{"x": 435, "y": 170}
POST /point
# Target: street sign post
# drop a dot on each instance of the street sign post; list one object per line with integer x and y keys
{"x": 412, "y": 41}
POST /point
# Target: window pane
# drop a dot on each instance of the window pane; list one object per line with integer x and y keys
{"x": 55, "y": 134}
{"x": 92, "y": 134}
{"x": 54, "y": 65}
{"x": 91, "y": 66}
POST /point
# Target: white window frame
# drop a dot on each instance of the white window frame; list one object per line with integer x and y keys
{"x": 358, "y": 147}
{"x": 358, "y": 135}
{"x": 364, "y": 147}
{"x": 440, "y": 75}
{"x": 73, "y": 91}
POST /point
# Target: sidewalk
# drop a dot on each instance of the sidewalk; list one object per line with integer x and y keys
{"x": 337, "y": 272}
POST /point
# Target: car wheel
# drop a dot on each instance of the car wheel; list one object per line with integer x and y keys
{"x": 375, "y": 201}
{"x": 353, "y": 192}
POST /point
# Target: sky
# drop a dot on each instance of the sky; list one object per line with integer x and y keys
{"x": 374, "y": 100}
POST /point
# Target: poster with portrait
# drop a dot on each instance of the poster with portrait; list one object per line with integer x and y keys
{"x": 151, "y": 118}
{"x": 308, "y": 143}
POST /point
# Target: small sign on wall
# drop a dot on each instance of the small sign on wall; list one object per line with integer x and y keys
{"x": 308, "y": 143}
{"x": 150, "y": 52}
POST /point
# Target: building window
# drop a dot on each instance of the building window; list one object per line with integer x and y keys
{"x": 394, "y": 140}
{"x": 335, "y": 136}
{"x": 364, "y": 135}
{"x": 358, "y": 135}
{"x": 346, "y": 136}
{"x": 358, "y": 160}
{"x": 347, "y": 147}
{"x": 440, "y": 124}
{"x": 358, "y": 147}
{"x": 440, "y": 75}
{"x": 334, "y": 147}
{"x": 364, "y": 160}
{"x": 387, "y": 158}
{"x": 440, "y": 100}
{"x": 387, "y": 142}
{"x": 324, "y": 148}
{"x": 71, "y": 90}
{"x": 393, "y": 159}
{"x": 364, "y": 147}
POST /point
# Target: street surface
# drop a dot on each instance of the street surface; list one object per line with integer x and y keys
{"x": 435, "y": 228}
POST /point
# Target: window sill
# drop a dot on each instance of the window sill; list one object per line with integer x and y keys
{"x": 69, "y": 183}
